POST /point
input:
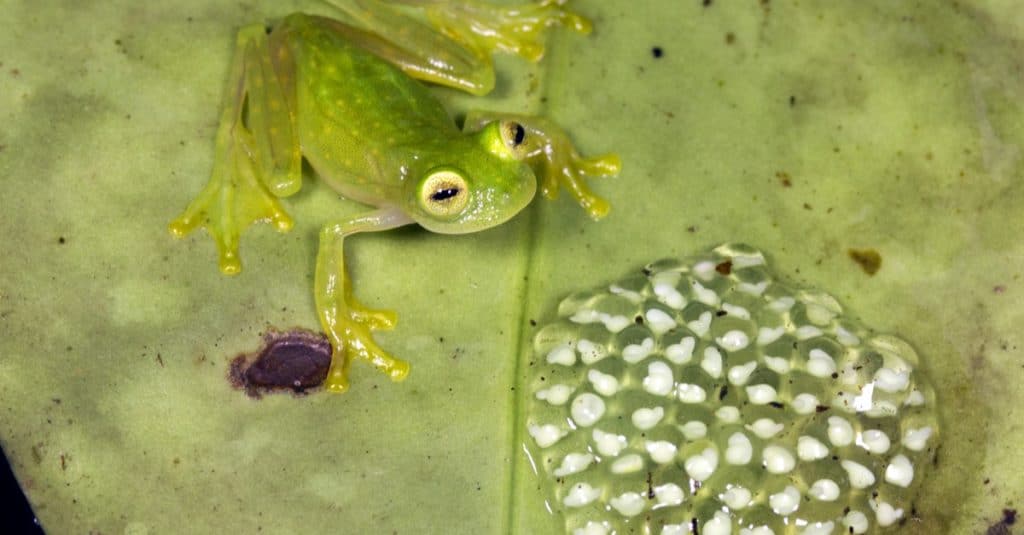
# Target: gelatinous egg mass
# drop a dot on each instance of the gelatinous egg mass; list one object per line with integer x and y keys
{"x": 705, "y": 396}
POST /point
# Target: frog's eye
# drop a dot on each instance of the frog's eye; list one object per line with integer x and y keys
{"x": 444, "y": 194}
{"x": 513, "y": 135}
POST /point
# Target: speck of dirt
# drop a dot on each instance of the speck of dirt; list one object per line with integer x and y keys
{"x": 657, "y": 52}
{"x": 725, "y": 268}
{"x": 784, "y": 179}
{"x": 1003, "y": 526}
{"x": 730, "y": 38}
{"x": 706, "y": 3}
{"x": 295, "y": 360}
{"x": 868, "y": 259}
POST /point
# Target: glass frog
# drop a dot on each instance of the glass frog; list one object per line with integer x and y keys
{"x": 348, "y": 97}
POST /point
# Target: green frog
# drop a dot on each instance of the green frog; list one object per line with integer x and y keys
{"x": 348, "y": 96}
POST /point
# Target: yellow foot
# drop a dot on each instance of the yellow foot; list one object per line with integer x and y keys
{"x": 350, "y": 333}
{"x": 226, "y": 206}
{"x": 354, "y": 341}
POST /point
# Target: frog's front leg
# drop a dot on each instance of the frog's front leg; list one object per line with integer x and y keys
{"x": 257, "y": 156}
{"x": 547, "y": 148}
{"x": 346, "y": 322}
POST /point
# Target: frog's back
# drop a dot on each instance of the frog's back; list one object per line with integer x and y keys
{"x": 354, "y": 94}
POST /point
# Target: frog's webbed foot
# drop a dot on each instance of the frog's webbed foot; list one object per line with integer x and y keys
{"x": 556, "y": 161}
{"x": 233, "y": 199}
{"x": 515, "y": 30}
{"x": 256, "y": 157}
{"x": 348, "y": 326}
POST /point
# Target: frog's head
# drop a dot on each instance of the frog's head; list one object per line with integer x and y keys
{"x": 485, "y": 184}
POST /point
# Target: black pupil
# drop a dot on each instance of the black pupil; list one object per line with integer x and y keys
{"x": 444, "y": 194}
{"x": 520, "y": 134}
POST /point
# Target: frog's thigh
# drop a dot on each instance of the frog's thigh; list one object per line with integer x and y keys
{"x": 270, "y": 88}
{"x": 417, "y": 49}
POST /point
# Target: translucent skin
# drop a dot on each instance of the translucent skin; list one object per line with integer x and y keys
{"x": 349, "y": 100}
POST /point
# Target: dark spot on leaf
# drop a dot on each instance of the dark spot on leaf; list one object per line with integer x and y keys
{"x": 868, "y": 259}
{"x": 656, "y": 52}
{"x": 724, "y": 268}
{"x": 295, "y": 360}
{"x": 1003, "y": 526}
{"x": 776, "y": 404}
{"x": 821, "y": 408}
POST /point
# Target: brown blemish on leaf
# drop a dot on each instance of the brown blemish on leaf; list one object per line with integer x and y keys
{"x": 868, "y": 259}
{"x": 1003, "y": 526}
{"x": 295, "y": 360}
{"x": 725, "y": 268}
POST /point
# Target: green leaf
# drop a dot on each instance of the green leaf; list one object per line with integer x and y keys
{"x": 805, "y": 129}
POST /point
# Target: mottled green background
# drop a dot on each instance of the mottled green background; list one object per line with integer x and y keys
{"x": 898, "y": 126}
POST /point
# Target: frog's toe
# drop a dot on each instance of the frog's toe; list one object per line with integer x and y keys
{"x": 229, "y": 263}
{"x": 282, "y": 221}
{"x": 595, "y": 206}
{"x": 337, "y": 377}
{"x": 604, "y": 165}
{"x": 377, "y": 320}
{"x": 568, "y": 18}
{"x": 398, "y": 371}
{"x": 179, "y": 228}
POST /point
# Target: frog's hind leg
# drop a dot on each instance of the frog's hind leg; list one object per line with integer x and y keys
{"x": 455, "y": 48}
{"x": 256, "y": 156}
